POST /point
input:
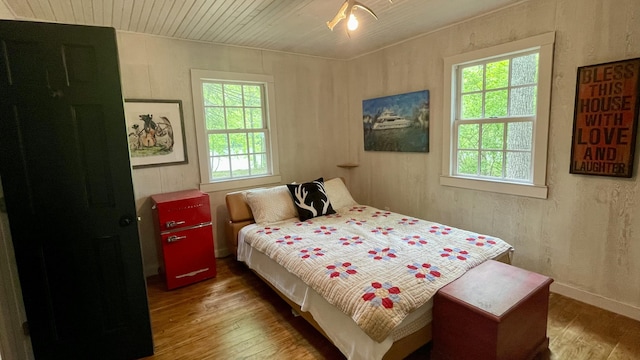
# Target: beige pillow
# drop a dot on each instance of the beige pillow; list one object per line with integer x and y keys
{"x": 271, "y": 205}
{"x": 338, "y": 194}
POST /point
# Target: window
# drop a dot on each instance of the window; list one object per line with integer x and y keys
{"x": 235, "y": 128}
{"x": 498, "y": 106}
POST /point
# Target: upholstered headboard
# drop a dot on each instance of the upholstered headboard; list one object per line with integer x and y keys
{"x": 272, "y": 204}
{"x": 240, "y": 215}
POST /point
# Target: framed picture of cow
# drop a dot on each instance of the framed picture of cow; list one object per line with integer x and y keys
{"x": 155, "y": 129}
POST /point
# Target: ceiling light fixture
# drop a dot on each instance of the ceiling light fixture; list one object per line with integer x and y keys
{"x": 352, "y": 23}
{"x": 346, "y": 10}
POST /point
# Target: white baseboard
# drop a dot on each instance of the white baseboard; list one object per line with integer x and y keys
{"x": 627, "y": 310}
{"x": 223, "y": 252}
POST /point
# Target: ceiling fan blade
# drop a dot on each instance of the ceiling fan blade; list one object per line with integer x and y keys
{"x": 363, "y": 7}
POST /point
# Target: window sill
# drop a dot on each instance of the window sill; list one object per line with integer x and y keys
{"x": 240, "y": 183}
{"x": 534, "y": 191}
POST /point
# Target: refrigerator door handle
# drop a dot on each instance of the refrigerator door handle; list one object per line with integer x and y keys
{"x": 174, "y": 238}
{"x": 172, "y": 224}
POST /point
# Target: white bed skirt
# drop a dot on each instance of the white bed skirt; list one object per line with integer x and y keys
{"x": 345, "y": 334}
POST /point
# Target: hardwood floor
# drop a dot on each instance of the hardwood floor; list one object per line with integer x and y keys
{"x": 237, "y": 316}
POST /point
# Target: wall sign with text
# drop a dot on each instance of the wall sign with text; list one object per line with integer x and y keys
{"x": 605, "y": 119}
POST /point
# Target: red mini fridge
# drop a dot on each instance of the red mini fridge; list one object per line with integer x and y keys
{"x": 185, "y": 234}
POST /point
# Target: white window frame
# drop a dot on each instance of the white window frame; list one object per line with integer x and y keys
{"x": 198, "y": 77}
{"x": 537, "y": 188}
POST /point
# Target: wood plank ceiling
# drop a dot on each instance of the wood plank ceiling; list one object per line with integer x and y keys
{"x": 297, "y": 26}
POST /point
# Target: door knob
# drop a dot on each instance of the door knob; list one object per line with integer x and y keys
{"x": 126, "y": 220}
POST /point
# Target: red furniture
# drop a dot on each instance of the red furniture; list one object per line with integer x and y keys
{"x": 183, "y": 228}
{"x": 494, "y": 311}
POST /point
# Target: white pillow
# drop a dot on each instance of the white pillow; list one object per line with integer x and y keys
{"x": 338, "y": 194}
{"x": 271, "y": 205}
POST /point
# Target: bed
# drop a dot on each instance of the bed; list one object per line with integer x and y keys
{"x": 363, "y": 277}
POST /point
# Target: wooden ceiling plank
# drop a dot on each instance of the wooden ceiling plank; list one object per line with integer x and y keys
{"x": 177, "y": 14}
{"x": 87, "y": 10}
{"x": 145, "y": 15}
{"x": 135, "y": 14}
{"x": 159, "y": 16}
{"x": 242, "y": 20}
{"x": 67, "y": 8}
{"x": 204, "y": 16}
{"x": 37, "y": 9}
{"x": 127, "y": 10}
{"x": 284, "y": 22}
{"x": 78, "y": 13}
{"x": 98, "y": 12}
{"x": 222, "y": 14}
{"x": 107, "y": 12}
{"x": 232, "y": 21}
{"x": 186, "y": 22}
{"x": 259, "y": 22}
{"x": 117, "y": 8}
{"x": 46, "y": 7}
{"x": 59, "y": 14}
{"x": 277, "y": 19}
{"x": 21, "y": 9}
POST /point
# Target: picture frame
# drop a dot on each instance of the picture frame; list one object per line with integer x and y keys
{"x": 155, "y": 131}
{"x": 397, "y": 122}
{"x": 605, "y": 121}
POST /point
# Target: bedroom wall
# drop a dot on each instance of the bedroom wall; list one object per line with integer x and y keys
{"x": 586, "y": 235}
{"x": 311, "y": 103}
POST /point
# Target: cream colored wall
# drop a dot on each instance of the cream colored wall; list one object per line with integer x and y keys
{"x": 311, "y": 102}
{"x": 586, "y": 235}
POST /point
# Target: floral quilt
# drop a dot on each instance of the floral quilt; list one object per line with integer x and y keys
{"x": 376, "y": 266}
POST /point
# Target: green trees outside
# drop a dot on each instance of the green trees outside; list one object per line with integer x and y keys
{"x": 236, "y": 129}
{"x": 491, "y": 96}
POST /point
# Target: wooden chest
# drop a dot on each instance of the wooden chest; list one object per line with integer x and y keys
{"x": 494, "y": 311}
{"x": 184, "y": 231}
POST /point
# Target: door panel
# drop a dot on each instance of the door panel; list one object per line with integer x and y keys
{"x": 64, "y": 164}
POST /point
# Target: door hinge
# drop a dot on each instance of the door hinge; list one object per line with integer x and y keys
{"x": 25, "y": 328}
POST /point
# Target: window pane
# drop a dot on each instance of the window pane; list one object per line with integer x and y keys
{"x": 214, "y": 118}
{"x": 218, "y": 144}
{"x": 468, "y": 136}
{"x": 233, "y": 95}
{"x": 254, "y": 118}
{"x": 491, "y": 164}
{"x": 252, "y": 95}
{"x": 235, "y": 118}
{"x": 523, "y": 101}
{"x": 518, "y": 165}
{"x": 496, "y": 104}
{"x": 238, "y": 143}
{"x": 212, "y": 94}
{"x": 492, "y": 136}
{"x": 257, "y": 143}
{"x": 498, "y": 74}
{"x": 471, "y": 106}
{"x": 259, "y": 164}
{"x": 472, "y": 78}
{"x": 220, "y": 168}
{"x": 524, "y": 70}
{"x": 240, "y": 165}
{"x": 519, "y": 135}
{"x": 467, "y": 162}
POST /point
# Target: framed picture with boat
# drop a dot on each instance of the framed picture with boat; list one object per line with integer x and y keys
{"x": 397, "y": 122}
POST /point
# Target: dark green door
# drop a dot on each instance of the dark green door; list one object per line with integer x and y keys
{"x": 65, "y": 171}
